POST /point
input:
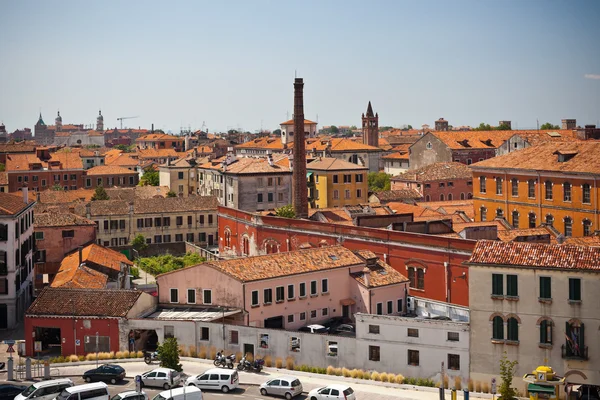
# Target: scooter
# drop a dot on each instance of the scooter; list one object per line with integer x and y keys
{"x": 150, "y": 357}
{"x": 256, "y": 365}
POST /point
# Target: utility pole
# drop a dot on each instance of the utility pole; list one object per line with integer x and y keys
{"x": 96, "y": 349}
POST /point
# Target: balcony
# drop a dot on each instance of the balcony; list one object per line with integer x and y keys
{"x": 569, "y": 354}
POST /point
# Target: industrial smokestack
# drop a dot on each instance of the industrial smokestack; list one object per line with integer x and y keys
{"x": 300, "y": 190}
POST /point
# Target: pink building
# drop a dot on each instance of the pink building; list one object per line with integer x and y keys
{"x": 292, "y": 289}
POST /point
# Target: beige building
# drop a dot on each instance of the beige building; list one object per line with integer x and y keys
{"x": 539, "y": 304}
{"x": 180, "y": 176}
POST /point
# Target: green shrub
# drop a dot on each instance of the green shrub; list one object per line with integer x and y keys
{"x": 166, "y": 263}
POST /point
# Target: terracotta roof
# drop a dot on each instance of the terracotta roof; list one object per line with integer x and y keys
{"x": 344, "y": 215}
{"x": 548, "y": 256}
{"x": 175, "y": 204}
{"x": 3, "y": 178}
{"x": 67, "y": 159}
{"x": 284, "y": 264}
{"x": 22, "y": 162}
{"x": 402, "y": 148}
{"x": 137, "y": 192}
{"x": 120, "y": 159}
{"x": 54, "y": 218}
{"x": 266, "y": 142}
{"x": 383, "y": 144}
{"x": 452, "y": 207}
{"x": 157, "y": 137}
{"x": 396, "y": 156}
{"x": 512, "y": 234}
{"x": 460, "y": 140}
{"x": 460, "y": 226}
{"x": 338, "y": 145}
{"x": 92, "y": 152}
{"x": 65, "y": 196}
{"x": 79, "y": 277}
{"x": 583, "y": 158}
{"x": 248, "y": 165}
{"x": 18, "y": 147}
{"x": 398, "y": 195}
{"x": 291, "y": 122}
{"x": 11, "y": 204}
{"x": 104, "y": 207}
{"x": 96, "y": 254}
{"x": 84, "y": 302}
{"x": 109, "y": 170}
{"x": 419, "y": 213}
{"x": 156, "y": 153}
{"x": 436, "y": 172}
{"x": 380, "y": 274}
{"x": 593, "y": 240}
{"x": 333, "y": 164}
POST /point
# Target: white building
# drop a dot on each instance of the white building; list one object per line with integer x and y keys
{"x": 287, "y": 130}
{"x": 16, "y": 257}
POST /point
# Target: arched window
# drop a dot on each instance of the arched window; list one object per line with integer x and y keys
{"x": 574, "y": 335}
{"x": 416, "y": 278}
{"x": 548, "y": 190}
{"x": 449, "y": 196}
{"x": 483, "y": 212}
{"x": 532, "y": 220}
{"x": 566, "y": 191}
{"x": 515, "y": 219}
{"x": 550, "y": 220}
{"x": 587, "y": 227}
{"x": 469, "y": 196}
{"x": 227, "y": 238}
{"x": 271, "y": 248}
{"x": 462, "y": 196}
{"x": 546, "y": 331}
{"x": 568, "y": 226}
{"x": 513, "y": 329}
{"x": 498, "y": 328}
{"x": 245, "y": 246}
{"x": 442, "y": 197}
{"x": 412, "y": 277}
{"x": 420, "y": 278}
{"x": 427, "y": 198}
{"x": 499, "y": 213}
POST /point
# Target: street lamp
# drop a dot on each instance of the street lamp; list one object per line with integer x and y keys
{"x": 96, "y": 349}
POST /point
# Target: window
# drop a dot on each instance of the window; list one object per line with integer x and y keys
{"x": 191, "y": 296}
{"x": 374, "y": 353}
{"x": 302, "y": 290}
{"x": 88, "y": 182}
{"x": 259, "y": 198}
{"x": 279, "y": 294}
{"x": 531, "y": 189}
{"x": 325, "y": 312}
{"x": 270, "y": 197}
{"x": 442, "y": 197}
{"x": 532, "y": 220}
{"x": 267, "y": 296}
{"x": 290, "y": 292}
{"x": 303, "y": 316}
{"x": 498, "y": 328}
{"x": 379, "y": 308}
{"x": 454, "y": 362}
{"x": 428, "y": 146}
{"x": 179, "y": 237}
{"x": 499, "y": 213}
{"x": 374, "y": 329}
{"x": 575, "y": 346}
{"x": 259, "y": 182}
{"x": 169, "y": 331}
{"x": 514, "y": 184}
{"x": 255, "y": 298}
{"x": 574, "y": 289}
{"x": 157, "y": 221}
{"x": 497, "y": 285}
{"x": 313, "y": 314}
{"x": 324, "y": 286}
{"x": 413, "y": 357}
{"x": 39, "y": 236}
{"x": 412, "y": 277}
{"x": 412, "y": 332}
{"x": 234, "y": 337}
{"x": 587, "y": 227}
{"x": 399, "y": 305}
{"x": 179, "y": 221}
{"x": 568, "y": 227}
{"x": 335, "y": 179}
{"x": 347, "y": 194}
{"x": 550, "y": 220}
{"x": 174, "y": 296}
{"x": 207, "y": 296}
{"x": 511, "y": 286}
{"x": 280, "y": 196}
{"x": 290, "y": 319}
{"x": 347, "y": 178}
{"x": 585, "y": 194}
{"x": 483, "y": 212}
{"x": 546, "y": 332}
{"x": 498, "y": 185}
{"x": 545, "y": 287}
{"x": 442, "y": 184}
{"x": 167, "y": 238}
{"x": 390, "y": 307}
{"x": 69, "y": 234}
{"x": 453, "y": 336}
{"x": 269, "y": 181}
{"x": 359, "y": 178}
{"x": 420, "y": 278}
{"x": 313, "y": 288}
{"x": 358, "y": 193}
{"x": 450, "y": 184}
{"x": 548, "y": 190}
{"x": 513, "y": 329}
{"x": 204, "y": 333}
{"x": 180, "y": 175}
{"x": 567, "y": 191}
{"x": 336, "y": 194}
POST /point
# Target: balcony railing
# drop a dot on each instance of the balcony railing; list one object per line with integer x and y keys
{"x": 569, "y": 354}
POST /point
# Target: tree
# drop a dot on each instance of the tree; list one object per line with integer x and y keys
{"x": 547, "y": 126}
{"x": 171, "y": 193}
{"x": 507, "y": 371}
{"x": 100, "y": 194}
{"x": 286, "y": 211}
{"x": 334, "y": 129}
{"x": 139, "y": 242}
{"x": 277, "y": 132}
{"x": 168, "y": 354}
{"x": 122, "y": 147}
{"x": 57, "y": 187}
{"x": 503, "y": 127}
{"x": 2, "y": 167}
{"x": 379, "y": 181}
{"x": 410, "y": 127}
{"x": 150, "y": 178}
{"x": 353, "y": 128}
{"x": 483, "y": 127}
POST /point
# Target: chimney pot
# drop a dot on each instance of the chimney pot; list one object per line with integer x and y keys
{"x": 80, "y": 255}
{"x": 25, "y": 193}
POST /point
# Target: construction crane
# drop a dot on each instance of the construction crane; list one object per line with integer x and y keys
{"x": 122, "y": 118}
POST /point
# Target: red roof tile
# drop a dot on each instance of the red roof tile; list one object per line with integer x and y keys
{"x": 11, "y": 204}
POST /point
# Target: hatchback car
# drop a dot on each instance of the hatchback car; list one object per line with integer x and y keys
{"x": 130, "y": 395}
{"x": 334, "y": 322}
{"x": 165, "y": 378}
{"x": 215, "y": 379}
{"x": 332, "y": 392}
{"x": 10, "y": 391}
{"x": 345, "y": 330}
{"x": 286, "y": 386}
{"x": 108, "y": 372}
{"x": 314, "y": 329}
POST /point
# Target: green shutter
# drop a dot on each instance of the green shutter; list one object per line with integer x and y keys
{"x": 543, "y": 331}
{"x": 511, "y": 285}
{"x": 497, "y": 288}
{"x": 574, "y": 289}
{"x": 513, "y": 328}
{"x": 498, "y": 328}
{"x": 545, "y": 287}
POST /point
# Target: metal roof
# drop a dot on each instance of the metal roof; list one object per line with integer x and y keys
{"x": 191, "y": 314}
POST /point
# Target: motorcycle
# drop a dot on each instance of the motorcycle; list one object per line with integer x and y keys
{"x": 150, "y": 357}
{"x": 224, "y": 361}
{"x": 256, "y": 365}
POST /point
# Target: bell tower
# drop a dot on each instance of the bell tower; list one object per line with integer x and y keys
{"x": 58, "y": 122}
{"x": 370, "y": 127}
{"x": 100, "y": 121}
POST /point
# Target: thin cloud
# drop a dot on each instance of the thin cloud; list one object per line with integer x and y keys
{"x": 591, "y": 76}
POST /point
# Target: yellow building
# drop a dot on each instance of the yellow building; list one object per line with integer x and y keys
{"x": 553, "y": 183}
{"x": 336, "y": 183}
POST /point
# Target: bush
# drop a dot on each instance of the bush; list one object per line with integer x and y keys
{"x": 399, "y": 379}
{"x": 375, "y": 376}
{"x": 81, "y": 358}
{"x": 485, "y": 387}
{"x": 457, "y": 383}
{"x": 446, "y": 382}
{"x": 73, "y": 358}
{"x": 345, "y": 372}
{"x": 330, "y": 370}
{"x": 322, "y": 371}
{"x": 478, "y": 387}
{"x": 268, "y": 361}
{"x": 410, "y": 381}
{"x": 160, "y": 264}
{"x": 354, "y": 373}
{"x": 168, "y": 354}
{"x": 238, "y": 356}
{"x": 213, "y": 352}
{"x": 383, "y": 377}
{"x": 279, "y": 362}
{"x": 119, "y": 355}
{"x": 90, "y": 357}
{"x": 139, "y": 354}
{"x": 202, "y": 352}
{"x": 183, "y": 351}
{"x": 289, "y": 363}
{"x": 471, "y": 385}
{"x": 134, "y": 272}
{"x": 192, "y": 351}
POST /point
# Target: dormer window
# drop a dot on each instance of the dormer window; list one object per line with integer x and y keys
{"x": 566, "y": 155}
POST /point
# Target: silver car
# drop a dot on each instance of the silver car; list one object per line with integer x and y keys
{"x": 165, "y": 378}
{"x": 286, "y": 386}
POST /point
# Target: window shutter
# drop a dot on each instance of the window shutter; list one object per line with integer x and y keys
{"x": 568, "y": 336}
{"x": 543, "y": 332}
{"x": 581, "y": 340}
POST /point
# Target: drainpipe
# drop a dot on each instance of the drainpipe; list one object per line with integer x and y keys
{"x": 540, "y": 196}
{"x": 446, "y": 281}
{"x": 596, "y": 203}
{"x": 506, "y": 194}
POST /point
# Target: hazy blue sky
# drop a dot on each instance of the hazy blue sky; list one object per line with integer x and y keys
{"x": 231, "y": 63}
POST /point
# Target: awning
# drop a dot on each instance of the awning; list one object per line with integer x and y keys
{"x": 533, "y": 388}
{"x": 347, "y": 302}
{"x": 309, "y": 174}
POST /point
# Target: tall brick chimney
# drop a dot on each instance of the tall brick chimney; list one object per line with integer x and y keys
{"x": 299, "y": 190}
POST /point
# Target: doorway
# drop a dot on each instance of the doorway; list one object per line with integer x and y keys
{"x": 248, "y": 349}
{"x": 143, "y": 339}
{"x": 274, "y": 322}
{"x": 51, "y": 340}
{"x": 346, "y": 311}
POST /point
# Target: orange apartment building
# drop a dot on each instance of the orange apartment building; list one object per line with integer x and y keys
{"x": 553, "y": 183}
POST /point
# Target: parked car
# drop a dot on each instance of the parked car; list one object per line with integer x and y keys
{"x": 108, "y": 372}
{"x": 45, "y": 390}
{"x": 314, "y": 329}
{"x": 183, "y": 393}
{"x": 332, "y": 392}
{"x": 161, "y": 377}
{"x": 88, "y": 391}
{"x": 345, "y": 330}
{"x": 286, "y": 386}
{"x": 334, "y": 322}
{"x": 215, "y": 379}
{"x": 10, "y": 391}
{"x": 130, "y": 395}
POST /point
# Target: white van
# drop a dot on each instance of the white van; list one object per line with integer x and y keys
{"x": 45, "y": 390}
{"x": 215, "y": 379}
{"x": 182, "y": 393}
{"x": 89, "y": 391}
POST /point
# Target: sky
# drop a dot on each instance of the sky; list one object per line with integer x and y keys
{"x": 231, "y": 64}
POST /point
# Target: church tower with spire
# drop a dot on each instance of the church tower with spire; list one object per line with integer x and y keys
{"x": 100, "y": 121}
{"x": 370, "y": 127}
{"x": 58, "y": 122}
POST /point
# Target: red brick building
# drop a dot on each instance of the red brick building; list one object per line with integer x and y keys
{"x": 43, "y": 170}
{"x": 109, "y": 176}
{"x": 432, "y": 263}
{"x": 438, "y": 182}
